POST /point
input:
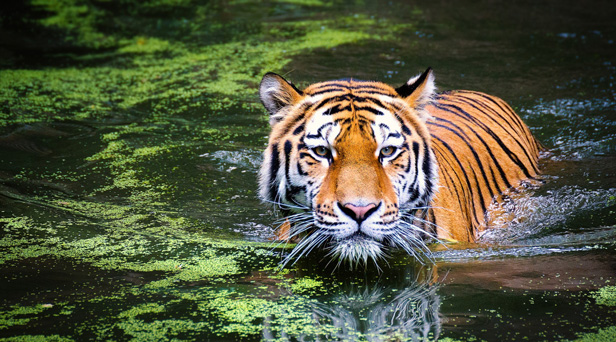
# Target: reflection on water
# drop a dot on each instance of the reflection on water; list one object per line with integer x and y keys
{"x": 410, "y": 314}
{"x": 377, "y": 313}
{"x": 480, "y": 291}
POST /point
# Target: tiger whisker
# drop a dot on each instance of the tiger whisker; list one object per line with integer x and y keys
{"x": 430, "y": 235}
{"x": 303, "y": 247}
{"x": 412, "y": 218}
{"x": 287, "y": 205}
{"x": 316, "y": 242}
{"x": 409, "y": 246}
{"x": 299, "y": 230}
{"x": 418, "y": 229}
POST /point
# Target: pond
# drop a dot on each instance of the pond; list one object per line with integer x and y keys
{"x": 131, "y": 134}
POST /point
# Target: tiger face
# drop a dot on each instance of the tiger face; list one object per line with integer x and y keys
{"x": 352, "y": 160}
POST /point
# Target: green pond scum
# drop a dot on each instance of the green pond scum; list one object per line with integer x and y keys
{"x": 130, "y": 138}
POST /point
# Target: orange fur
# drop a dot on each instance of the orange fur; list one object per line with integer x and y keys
{"x": 480, "y": 146}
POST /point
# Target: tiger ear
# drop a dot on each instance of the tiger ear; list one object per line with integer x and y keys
{"x": 277, "y": 94}
{"x": 419, "y": 90}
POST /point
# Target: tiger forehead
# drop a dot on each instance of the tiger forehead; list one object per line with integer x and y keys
{"x": 360, "y": 99}
{"x": 350, "y": 86}
{"x": 337, "y": 106}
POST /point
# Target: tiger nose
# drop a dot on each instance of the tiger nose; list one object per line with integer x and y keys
{"x": 358, "y": 213}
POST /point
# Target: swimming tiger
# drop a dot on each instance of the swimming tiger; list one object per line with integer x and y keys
{"x": 361, "y": 167}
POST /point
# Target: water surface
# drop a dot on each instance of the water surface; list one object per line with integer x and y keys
{"x": 131, "y": 135}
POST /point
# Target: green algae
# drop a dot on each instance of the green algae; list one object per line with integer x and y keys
{"x": 606, "y": 296}
{"x": 135, "y": 76}
{"x": 76, "y": 17}
{"x": 307, "y": 285}
{"x": 19, "y": 315}
{"x": 124, "y": 222}
{"x": 246, "y": 316}
{"x": 169, "y": 85}
{"x": 38, "y": 338}
{"x": 187, "y": 77}
{"x": 607, "y": 334}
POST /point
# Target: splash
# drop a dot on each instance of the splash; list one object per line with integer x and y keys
{"x": 522, "y": 216}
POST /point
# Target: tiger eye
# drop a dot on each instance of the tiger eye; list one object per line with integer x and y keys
{"x": 387, "y": 151}
{"x": 321, "y": 151}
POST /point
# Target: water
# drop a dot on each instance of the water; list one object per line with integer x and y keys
{"x": 130, "y": 137}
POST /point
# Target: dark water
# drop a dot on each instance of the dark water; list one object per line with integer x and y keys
{"x": 130, "y": 136}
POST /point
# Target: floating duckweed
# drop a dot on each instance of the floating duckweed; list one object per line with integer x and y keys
{"x": 142, "y": 309}
{"x": 603, "y": 335}
{"x": 246, "y": 316}
{"x": 16, "y": 224}
{"x": 158, "y": 330}
{"x": 303, "y": 285}
{"x": 606, "y": 296}
{"x": 19, "y": 315}
{"x": 75, "y": 16}
{"x": 38, "y": 338}
{"x": 197, "y": 269}
{"x": 144, "y": 45}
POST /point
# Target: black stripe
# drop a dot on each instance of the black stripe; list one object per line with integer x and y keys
{"x": 427, "y": 171}
{"x": 337, "y": 109}
{"x": 299, "y": 129}
{"x": 523, "y": 133}
{"x": 347, "y": 86}
{"x": 530, "y": 139}
{"x": 329, "y": 89}
{"x": 273, "y": 171}
{"x": 373, "y": 92}
{"x": 512, "y": 115}
{"x": 288, "y": 147}
{"x": 464, "y": 138}
{"x": 316, "y": 106}
{"x": 301, "y": 170}
{"x": 495, "y": 161}
{"x": 408, "y": 164}
{"x": 319, "y": 132}
{"x": 462, "y": 113}
{"x": 412, "y": 185}
{"x": 369, "y": 99}
{"x": 431, "y": 218}
{"x": 460, "y": 133}
{"x": 468, "y": 182}
{"x": 369, "y": 109}
{"x": 400, "y": 155}
{"x": 303, "y": 155}
{"x": 405, "y": 129}
{"x": 445, "y": 159}
{"x": 302, "y": 113}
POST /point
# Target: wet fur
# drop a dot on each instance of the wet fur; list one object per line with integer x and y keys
{"x": 455, "y": 153}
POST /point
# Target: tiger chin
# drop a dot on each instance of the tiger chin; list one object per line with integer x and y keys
{"x": 361, "y": 168}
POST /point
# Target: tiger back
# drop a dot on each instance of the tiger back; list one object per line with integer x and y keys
{"x": 361, "y": 168}
{"x": 483, "y": 148}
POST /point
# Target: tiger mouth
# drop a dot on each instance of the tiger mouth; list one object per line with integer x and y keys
{"x": 358, "y": 237}
{"x": 357, "y": 247}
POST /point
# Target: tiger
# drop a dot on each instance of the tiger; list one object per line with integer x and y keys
{"x": 362, "y": 169}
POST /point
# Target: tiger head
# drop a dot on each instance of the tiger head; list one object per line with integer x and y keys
{"x": 352, "y": 160}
